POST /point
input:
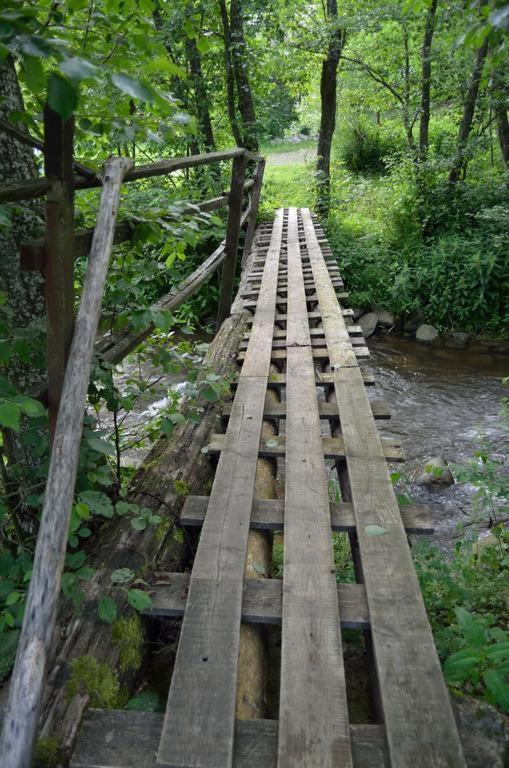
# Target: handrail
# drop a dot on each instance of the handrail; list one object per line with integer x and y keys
{"x": 27, "y": 683}
{"x": 24, "y": 190}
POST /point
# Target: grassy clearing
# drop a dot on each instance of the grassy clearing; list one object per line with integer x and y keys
{"x": 276, "y": 147}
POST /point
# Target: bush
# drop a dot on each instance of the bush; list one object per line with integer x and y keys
{"x": 364, "y": 148}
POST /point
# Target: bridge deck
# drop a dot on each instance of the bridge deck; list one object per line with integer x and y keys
{"x": 294, "y": 289}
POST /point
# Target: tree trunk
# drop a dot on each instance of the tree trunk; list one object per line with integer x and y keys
{"x": 328, "y": 97}
{"x": 24, "y": 309}
{"x": 468, "y": 113}
{"x": 426, "y": 80}
{"x": 201, "y": 98}
{"x": 239, "y": 60}
{"x": 500, "y": 103}
{"x": 230, "y": 79}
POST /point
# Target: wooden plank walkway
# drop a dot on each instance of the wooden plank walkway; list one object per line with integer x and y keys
{"x": 298, "y": 321}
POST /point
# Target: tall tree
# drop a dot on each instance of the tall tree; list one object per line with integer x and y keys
{"x": 237, "y": 79}
{"x": 328, "y": 104}
{"x": 201, "y": 97}
{"x": 468, "y": 111}
{"x": 429, "y": 31}
{"x": 239, "y": 59}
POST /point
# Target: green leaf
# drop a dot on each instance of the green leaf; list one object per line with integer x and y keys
{"x": 139, "y": 523}
{"x": 14, "y": 597}
{"x": 107, "y": 609}
{"x": 62, "y": 95}
{"x": 497, "y": 688}
{"x": 204, "y": 44}
{"x": 75, "y": 560}
{"x": 122, "y": 576}
{"x": 9, "y": 415}
{"x": 101, "y": 446}
{"x": 78, "y": 69}
{"x": 210, "y": 394}
{"x": 29, "y": 406}
{"x": 139, "y": 600}
{"x": 132, "y": 87}
{"x": 473, "y": 630}
{"x": 375, "y": 530}
{"x": 97, "y": 502}
{"x": 35, "y": 77}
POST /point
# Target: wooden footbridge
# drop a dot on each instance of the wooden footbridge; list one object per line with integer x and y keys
{"x": 300, "y": 324}
{"x": 302, "y": 344}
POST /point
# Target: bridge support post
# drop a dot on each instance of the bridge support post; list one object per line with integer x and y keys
{"x": 255, "y": 201}
{"x": 232, "y": 237}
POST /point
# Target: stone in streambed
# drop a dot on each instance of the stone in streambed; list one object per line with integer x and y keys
{"x": 386, "y": 318}
{"x": 413, "y": 321}
{"x": 458, "y": 340}
{"x": 435, "y": 472}
{"x": 426, "y": 334}
{"x": 368, "y": 323}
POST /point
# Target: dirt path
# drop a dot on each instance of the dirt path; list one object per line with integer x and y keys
{"x": 292, "y": 158}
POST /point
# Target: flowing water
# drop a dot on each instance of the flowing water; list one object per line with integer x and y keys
{"x": 439, "y": 400}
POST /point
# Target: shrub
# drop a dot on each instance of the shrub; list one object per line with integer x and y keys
{"x": 364, "y": 148}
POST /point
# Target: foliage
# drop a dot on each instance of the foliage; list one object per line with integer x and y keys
{"x": 92, "y": 678}
{"x": 127, "y": 635}
{"x": 364, "y": 148}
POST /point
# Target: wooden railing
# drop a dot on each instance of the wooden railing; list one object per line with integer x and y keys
{"x": 71, "y": 345}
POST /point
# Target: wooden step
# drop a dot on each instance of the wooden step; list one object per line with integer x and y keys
{"x": 268, "y": 514}
{"x": 261, "y": 600}
{"x": 110, "y": 738}
{"x": 333, "y": 447}
{"x": 326, "y": 410}
{"x": 282, "y": 317}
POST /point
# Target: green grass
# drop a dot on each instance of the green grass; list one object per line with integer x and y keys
{"x": 287, "y": 185}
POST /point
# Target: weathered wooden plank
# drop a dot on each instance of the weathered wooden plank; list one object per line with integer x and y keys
{"x": 421, "y": 730}
{"x": 272, "y": 410}
{"x": 319, "y": 353}
{"x": 262, "y": 600}
{"x": 281, "y": 317}
{"x": 313, "y": 712}
{"x": 333, "y": 447}
{"x": 268, "y": 514}
{"x": 280, "y": 333}
{"x": 125, "y": 739}
{"x": 198, "y": 726}
{"x": 356, "y": 341}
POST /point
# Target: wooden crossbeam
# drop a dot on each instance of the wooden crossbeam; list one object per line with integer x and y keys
{"x": 262, "y": 601}
{"x": 333, "y": 447}
{"x": 326, "y": 410}
{"x": 319, "y": 353}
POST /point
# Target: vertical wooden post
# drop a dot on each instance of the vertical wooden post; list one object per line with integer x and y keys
{"x": 232, "y": 236}
{"x": 255, "y": 201}
{"x": 59, "y": 251}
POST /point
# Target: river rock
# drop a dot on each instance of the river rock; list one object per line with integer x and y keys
{"x": 430, "y": 474}
{"x": 413, "y": 321}
{"x": 386, "y": 318}
{"x": 368, "y": 323}
{"x": 426, "y": 334}
{"x": 458, "y": 340}
{"x": 484, "y": 732}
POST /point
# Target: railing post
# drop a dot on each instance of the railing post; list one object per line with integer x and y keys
{"x": 232, "y": 236}
{"x": 255, "y": 201}
{"x": 59, "y": 252}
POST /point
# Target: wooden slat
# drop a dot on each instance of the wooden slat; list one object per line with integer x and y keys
{"x": 313, "y": 712}
{"x": 198, "y": 727}
{"x": 333, "y": 447}
{"x": 262, "y": 600}
{"x": 126, "y": 739}
{"x": 272, "y": 410}
{"x": 280, "y": 333}
{"x": 421, "y": 730}
{"x": 319, "y": 353}
{"x": 268, "y": 514}
{"x": 316, "y": 341}
{"x": 281, "y": 317}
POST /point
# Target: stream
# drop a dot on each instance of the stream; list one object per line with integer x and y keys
{"x": 439, "y": 400}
